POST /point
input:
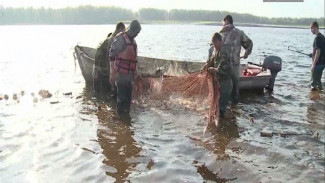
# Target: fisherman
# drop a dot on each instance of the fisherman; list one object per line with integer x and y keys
{"x": 236, "y": 39}
{"x": 101, "y": 70}
{"x": 219, "y": 64}
{"x": 318, "y": 57}
{"x": 124, "y": 54}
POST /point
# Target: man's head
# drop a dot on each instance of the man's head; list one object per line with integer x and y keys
{"x": 217, "y": 40}
{"x": 133, "y": 29}
{"x": 120, "y": 27}
{"x": 314, "y": 27}
{"x": 227, "y": 20}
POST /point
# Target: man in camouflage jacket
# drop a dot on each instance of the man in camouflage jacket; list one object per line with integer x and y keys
{"x": 236, "y": 39}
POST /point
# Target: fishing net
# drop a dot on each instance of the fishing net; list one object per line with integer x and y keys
{"x": 199, "y": 85}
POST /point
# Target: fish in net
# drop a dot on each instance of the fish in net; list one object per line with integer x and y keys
{"x": 195, "y": 85}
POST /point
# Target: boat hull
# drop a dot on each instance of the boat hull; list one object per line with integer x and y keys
{"x": 153, "y": 67}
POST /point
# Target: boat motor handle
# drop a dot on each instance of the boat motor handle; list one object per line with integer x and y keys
{"x": 254, "y": 64}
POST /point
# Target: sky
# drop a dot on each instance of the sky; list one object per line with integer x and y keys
{"x": 305, "y": 9}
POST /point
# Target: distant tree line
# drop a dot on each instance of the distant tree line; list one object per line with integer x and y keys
{"x": 105, "y": 15}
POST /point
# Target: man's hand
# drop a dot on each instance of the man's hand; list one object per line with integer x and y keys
{"x": 112, "y": 78}
{"x": 204, "y": 67}
{"x": 138, "y": 76}
{"x": 245, "y": 55}
{"x": 212, "y": 70}
{"x": 312, "y": 68}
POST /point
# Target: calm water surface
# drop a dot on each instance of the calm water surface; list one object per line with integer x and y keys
{"x": 72, "y": 141}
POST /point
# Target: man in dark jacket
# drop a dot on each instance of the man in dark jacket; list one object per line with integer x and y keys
{"x": 101, "y": 71}
{"x": 318, "y": 56}
{"x": 123, "y": 54}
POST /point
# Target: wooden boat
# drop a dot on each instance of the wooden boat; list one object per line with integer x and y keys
{"x": 154, "y": 67}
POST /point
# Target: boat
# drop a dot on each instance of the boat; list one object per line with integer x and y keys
{"x": 155, "y": 67}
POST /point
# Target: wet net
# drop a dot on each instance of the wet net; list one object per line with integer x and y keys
{"x": 198, "y": 85}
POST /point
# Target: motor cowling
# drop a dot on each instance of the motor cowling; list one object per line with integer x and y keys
{"x": 274, "y": 63}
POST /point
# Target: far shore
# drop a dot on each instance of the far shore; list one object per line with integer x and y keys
{"x": 236, "y": 24}
{"x": 209, "y": 23}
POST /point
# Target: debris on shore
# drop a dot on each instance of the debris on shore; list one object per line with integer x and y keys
{"x": 54, "y": 102}
{"x": 14, "y": 96}
{"x": 35, "y": 99}
{"x": 68, "y": 93}
{"x": 45, "y": 93}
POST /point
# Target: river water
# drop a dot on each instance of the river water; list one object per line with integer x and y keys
{"x": 73, "y": 141}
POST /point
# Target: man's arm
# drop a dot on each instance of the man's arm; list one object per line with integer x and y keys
{"x": 247, "y": 43}
{"x": 136, "y": 71}
{"x": 319, "y": 44}
{"x": 117, "y": 46}
{"x": 315, "y": 59}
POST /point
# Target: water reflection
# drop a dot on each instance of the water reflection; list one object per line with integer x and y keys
{"x": 207, "y": 174}
{"x": 316, "y": 110}
{"x": 115, "y": 136}
{"x": 218, "y": 142}
{"x": 119, "y": 147}
{"x": 222, "y": 135}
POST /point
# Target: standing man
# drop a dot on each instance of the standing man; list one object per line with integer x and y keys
{"x": 219, "y": 65}
{"x": 318, "y": 57}
{"x": 236, "y": 39}
{"x": 101, "y": 70}
{"x": 124, "y": 54}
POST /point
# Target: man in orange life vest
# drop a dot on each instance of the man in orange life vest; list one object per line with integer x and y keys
{"x": 124, "y": 54}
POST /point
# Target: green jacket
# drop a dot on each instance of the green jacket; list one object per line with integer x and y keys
{"x": 236, "y": 39}
{"x": 101, "y": 56}
{"x": 221, "y": 59}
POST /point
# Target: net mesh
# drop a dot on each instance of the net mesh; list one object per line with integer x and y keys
{"x": 191, "y": 86}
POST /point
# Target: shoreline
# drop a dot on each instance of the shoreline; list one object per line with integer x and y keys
{"x": 236, "y": 24}
{"x": 186, "y": 23}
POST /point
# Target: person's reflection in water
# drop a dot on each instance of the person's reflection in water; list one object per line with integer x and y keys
{"x": 316, "y": 110}
{"x": 116, "y": 139}
{"x": 222, "y": 135}
{"x": 226, "y": 132}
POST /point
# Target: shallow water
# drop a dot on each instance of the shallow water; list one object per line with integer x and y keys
{"x": 74, "y": 141}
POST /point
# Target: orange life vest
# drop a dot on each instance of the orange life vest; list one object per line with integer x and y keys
{"x": 126, "y": 61}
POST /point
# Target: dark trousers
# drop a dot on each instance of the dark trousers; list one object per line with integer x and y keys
{"x": 235, "y": 84}
{"x": 270, "y": 85}
{"x": 316, "y": 76}
{"x": 225, "y": 93}
{"x": 124, "y": 86}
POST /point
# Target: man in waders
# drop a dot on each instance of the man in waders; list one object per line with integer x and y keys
{"x": 318, "y": 56}
{"x": 101, "y": 70}
{"x": 236, "y": 39}
{"x": 124, "y": 54}
{"x": 219, "y": 64}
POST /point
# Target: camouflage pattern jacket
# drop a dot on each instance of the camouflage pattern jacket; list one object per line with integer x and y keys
{"x": 236, "y": 39}
{"x": 221, "y": 60}
{"x": 102, "y": 57}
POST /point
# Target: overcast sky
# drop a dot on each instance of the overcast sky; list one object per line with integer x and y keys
{"x": 308, "y": 8}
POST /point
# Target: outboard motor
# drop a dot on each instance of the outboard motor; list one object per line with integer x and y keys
{"x": 274, "y": 63}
